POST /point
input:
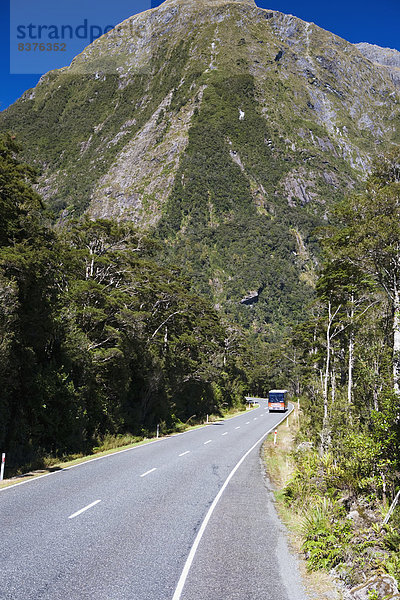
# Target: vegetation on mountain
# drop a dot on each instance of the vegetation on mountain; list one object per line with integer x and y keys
{"x": 349, "y": 379}
{"x": 96, "y": 337}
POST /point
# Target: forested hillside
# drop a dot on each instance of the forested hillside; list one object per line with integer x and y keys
{"x": 347, "y": 356}
{"x": 96, "y": 337}
{"x": 227, "y": 131}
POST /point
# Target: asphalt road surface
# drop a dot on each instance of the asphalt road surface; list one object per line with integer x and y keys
{"x": 184, "y": 518}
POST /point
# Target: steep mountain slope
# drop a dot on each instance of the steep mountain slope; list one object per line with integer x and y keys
{"x": 110, "y": 129}
{"x": 387, "y": 58}
{"x": 227, "y": 127}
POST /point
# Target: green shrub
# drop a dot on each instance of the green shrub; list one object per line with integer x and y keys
{"x": 326, "y": 535}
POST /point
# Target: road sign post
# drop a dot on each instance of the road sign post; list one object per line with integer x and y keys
{"x": 3, "y": 462}
{"x": 275, "y": 436}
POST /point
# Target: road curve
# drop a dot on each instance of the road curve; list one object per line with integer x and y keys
{"x": 186, "y": 517}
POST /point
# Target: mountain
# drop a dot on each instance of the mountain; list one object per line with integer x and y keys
{"x": 387, "y": 58}
{"x": 227, "y": 129}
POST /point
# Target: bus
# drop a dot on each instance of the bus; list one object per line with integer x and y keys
{"x": 277, "y": 400}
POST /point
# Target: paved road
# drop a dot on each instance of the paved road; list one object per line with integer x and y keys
{"x": 161, "y": 522}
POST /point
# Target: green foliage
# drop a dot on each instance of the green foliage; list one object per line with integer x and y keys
{"x": 18, "y": 201}
{"x": 392, "y": 565}
{"x": 348, "y": 366}
{"x": 325, "y": 544}
{"x": 96, "y": 338}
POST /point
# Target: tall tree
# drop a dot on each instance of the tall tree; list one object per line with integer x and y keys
{"x": 367, "y": 236}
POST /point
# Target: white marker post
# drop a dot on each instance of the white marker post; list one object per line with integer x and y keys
{"x": 207, "y": 418}
{"x": 275, "y": 436}
{"x": 158, "y": 431}
{"x": 3, "y": 462}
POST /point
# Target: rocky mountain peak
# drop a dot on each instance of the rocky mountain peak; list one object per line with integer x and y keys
{"x": 247, "y": 103}
{"x": 388, "y": 58}
{"x": 194, "y": 3}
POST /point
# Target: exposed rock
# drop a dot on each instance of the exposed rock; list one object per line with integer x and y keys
{"x": 324, "y": 102}
{"x": 251, "y": 298}
{"x": 355, "y": 517}
{"x": 388, "y": 58}
{"x": 304, "y": 446}
{"x": 381, "y": 56}
{"x": 139, "y": 181}
{"x": 299, "y": 188}
{"x": 384, "y": 585}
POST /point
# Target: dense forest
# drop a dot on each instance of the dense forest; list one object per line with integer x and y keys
{"x": 347, "y": 359}
{"x": 97, "y": 336}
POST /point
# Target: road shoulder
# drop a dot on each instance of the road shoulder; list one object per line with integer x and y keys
{"x": 275, "y": 460}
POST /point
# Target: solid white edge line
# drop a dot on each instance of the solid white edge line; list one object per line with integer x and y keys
{"x": 79, "y": 512}
{"x": 193, "y": 550}
{"x": 148, "y": 472}
{"x": 14, "y": 485}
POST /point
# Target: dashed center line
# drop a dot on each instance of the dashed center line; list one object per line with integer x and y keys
{"x": 208, "y": 442}
{"x": 247, "y": 422}
{"x": 237, "y": 427}
{"x": 226, "y": 433}
{"x": 79, "y": 512}
{"x": 148, "y": 472}
{"x": 255, "y": 419}
{"x": 183, "y": 453}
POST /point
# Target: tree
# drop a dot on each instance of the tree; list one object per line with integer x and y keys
{"x": 367, "y": 236}
{"x": 19, "y": 203}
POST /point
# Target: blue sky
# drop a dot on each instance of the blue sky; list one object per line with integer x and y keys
{"x": 354, "y": 20}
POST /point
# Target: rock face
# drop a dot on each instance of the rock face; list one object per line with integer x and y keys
{"x": 382, "y": 56}
{"x": 110, "y": 132}
{"x": 250, "y": 299}
{"x": 384, "y": 586}
{"x": 385, "y": 57}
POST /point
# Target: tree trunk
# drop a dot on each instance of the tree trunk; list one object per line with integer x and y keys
{"x": 351, "y": 358}
{"x": 396, "y": 341}
{"x": 333, "y": 386}
{"x": 327, "y": 365}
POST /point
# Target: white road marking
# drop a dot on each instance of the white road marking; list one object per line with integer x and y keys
{"x": 237, "y": 427}
{"x": 247, "y": 422}
{"x": 90, "y": 460}
{"x": 182, "y": 580}
{"x": 79, "y": 512}
{"x": 107, "y": 456}
{"x": 183, "y": 453}
{"x": 208, "y": 441}
{"x": 255, "y": 419}
{"x": 226, "y": 433}
{"x": 148, "y": 472}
